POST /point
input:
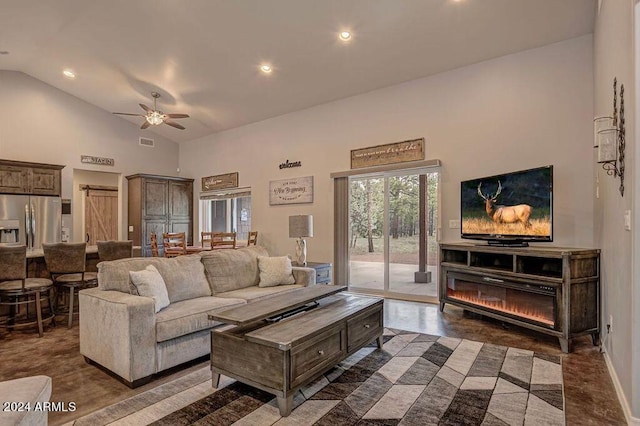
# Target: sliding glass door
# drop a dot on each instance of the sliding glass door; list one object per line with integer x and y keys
{"x": 393, "y": 223}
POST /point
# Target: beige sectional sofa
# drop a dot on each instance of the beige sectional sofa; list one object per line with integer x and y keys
{"x": 120, "y": 330}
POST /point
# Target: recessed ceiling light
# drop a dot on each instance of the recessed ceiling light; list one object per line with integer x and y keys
{"x": 266, "y": 68}
{"x": 69, "y": 74}
{"x": 345, "y": 35}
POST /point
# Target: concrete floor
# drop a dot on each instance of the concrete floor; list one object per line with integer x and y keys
{"x": 370, "y": 276}
{"x": 590, "y": 396}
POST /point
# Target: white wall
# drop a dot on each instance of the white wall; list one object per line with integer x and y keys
{"x": 520, "y": 111}
{"x": 613, "y": 57}
{"x": 40, "y": 123}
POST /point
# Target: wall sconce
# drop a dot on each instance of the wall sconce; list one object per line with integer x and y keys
{"x": 609, "y": 138}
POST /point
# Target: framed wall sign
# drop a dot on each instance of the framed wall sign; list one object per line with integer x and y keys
{"x": 291, "y": 191}
{"x": 213, "y": 183}
{"x": 397, "y": 152}
{"x": 100, "y": 161}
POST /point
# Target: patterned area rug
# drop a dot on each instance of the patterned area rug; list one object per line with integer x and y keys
{"x": 416, "y": 379}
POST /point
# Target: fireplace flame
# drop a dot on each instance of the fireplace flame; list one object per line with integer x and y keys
{"x": 501, "y": 305}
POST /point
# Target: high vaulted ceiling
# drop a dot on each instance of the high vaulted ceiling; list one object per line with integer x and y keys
{"x": 203, "y": 56}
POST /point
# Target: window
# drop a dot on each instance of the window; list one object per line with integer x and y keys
{"x": 226, "y": 212}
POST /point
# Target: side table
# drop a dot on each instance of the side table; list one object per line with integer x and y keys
{"x": 323, "y": 271}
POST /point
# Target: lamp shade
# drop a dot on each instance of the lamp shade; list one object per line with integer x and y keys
{"x": 300, "y": 226}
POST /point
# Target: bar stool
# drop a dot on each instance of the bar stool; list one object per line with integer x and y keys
{"x": 114, "y": 250}
{"x": 66, "y": 264}
{"x": 17, "y": 290}
{"x": 252, "y": 239}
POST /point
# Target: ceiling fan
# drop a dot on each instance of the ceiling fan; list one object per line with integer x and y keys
{"x": 155, "y": 116}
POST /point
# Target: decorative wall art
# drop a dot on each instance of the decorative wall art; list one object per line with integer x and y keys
{"x": 100, "y": 161}
{"x": 290, "y": 164}
{"x": 291, "y": 191}
{"x": 397, "y": 152}
{"x": 213, "y": 183}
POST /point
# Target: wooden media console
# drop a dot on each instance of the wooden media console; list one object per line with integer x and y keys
{"x": 552, "y": 290}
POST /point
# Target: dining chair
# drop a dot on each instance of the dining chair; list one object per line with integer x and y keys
{"x": 223, "y": 240}
{"x": 114, "y": 250}
{"x": 252, "y": 239}
{"x": 174, "y": 244}
{"x": 17, "y": 290}
{"x": 66, "y": 263}
{"x": 153, "y": 242}
{"x": 206, "y": 239}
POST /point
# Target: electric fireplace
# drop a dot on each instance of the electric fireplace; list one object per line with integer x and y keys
{"x": 532, "y": 303}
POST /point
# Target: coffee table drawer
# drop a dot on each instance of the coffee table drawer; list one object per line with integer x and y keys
{"x": 317, "y": 354}
{"x": 364, "y": 327}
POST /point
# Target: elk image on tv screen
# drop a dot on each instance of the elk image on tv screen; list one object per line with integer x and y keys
{"x": 511, "y": 208}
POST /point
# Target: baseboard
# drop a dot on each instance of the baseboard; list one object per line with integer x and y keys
{"x": 631, "y": 421}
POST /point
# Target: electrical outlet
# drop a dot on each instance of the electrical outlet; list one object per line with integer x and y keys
{"x": 454, "y": 224}
{"x": 610, "y": 324}
{"x": 130, "y": 228}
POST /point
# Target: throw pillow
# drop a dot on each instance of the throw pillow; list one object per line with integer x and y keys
{"x": 275, "y": 271}
{"x": 149, "y": 283}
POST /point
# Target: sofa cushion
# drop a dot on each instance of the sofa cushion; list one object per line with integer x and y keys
{"x": 275, "y": 271}
{"x": 229, "y": 270}
{"x": 189, "y": 316}
{"x": 255, "y": 293}
{"x": 149, "y": 283}
{"x": 183, "y": 275}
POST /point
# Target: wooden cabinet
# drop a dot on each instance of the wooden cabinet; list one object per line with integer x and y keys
{"x": 159, "y": 204}
{"x": 19, "y": 177}
{"x": 552, "y": 290}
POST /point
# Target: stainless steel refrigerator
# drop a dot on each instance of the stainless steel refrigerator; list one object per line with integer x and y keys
{"x": 30, "y": 220}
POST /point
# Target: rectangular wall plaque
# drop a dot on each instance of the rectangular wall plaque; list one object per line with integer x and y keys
{"x": 212, "y": 183}
{"x": 291, "y": 191}
{"x": 101, "y": 161}
{"x": 397, "y": 152}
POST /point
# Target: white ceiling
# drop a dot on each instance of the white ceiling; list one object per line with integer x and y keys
{"x": 203, "y": 55}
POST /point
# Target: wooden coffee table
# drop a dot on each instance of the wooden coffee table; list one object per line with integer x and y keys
{"x": 282, "y": 355}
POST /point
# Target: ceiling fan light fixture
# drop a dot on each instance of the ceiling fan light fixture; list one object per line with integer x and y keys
{"x": 155, "y": 117}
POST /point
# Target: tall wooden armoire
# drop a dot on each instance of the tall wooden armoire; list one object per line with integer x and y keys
{"x": 159, "y": 204}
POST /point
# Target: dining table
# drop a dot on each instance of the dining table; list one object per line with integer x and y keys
{"x": 199, "y": 248}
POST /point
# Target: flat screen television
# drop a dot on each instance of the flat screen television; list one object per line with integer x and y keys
{"x": 508, "y": 209}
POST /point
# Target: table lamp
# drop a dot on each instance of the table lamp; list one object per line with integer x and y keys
{"x": 301, "y": 226}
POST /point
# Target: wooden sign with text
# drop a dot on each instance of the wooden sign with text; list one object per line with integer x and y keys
{"x": 291, "y": 191}
{"x": 100, "y": 161}
{"x": 213, "y": 183}
{"x": 398, "y": 152}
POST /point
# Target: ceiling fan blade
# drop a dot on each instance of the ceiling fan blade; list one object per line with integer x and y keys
{"x": 146, "y": 108}
{"x": 174, "y": 124}
{"x": 145, "y": 124}
{"x": 178, "y": 115}
{"x": 128, "y": 113}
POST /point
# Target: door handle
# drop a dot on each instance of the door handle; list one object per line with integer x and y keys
{"x": 88, "y": 237}
{"x": 33, "y": 226}
{"x": 27, "y": 226}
